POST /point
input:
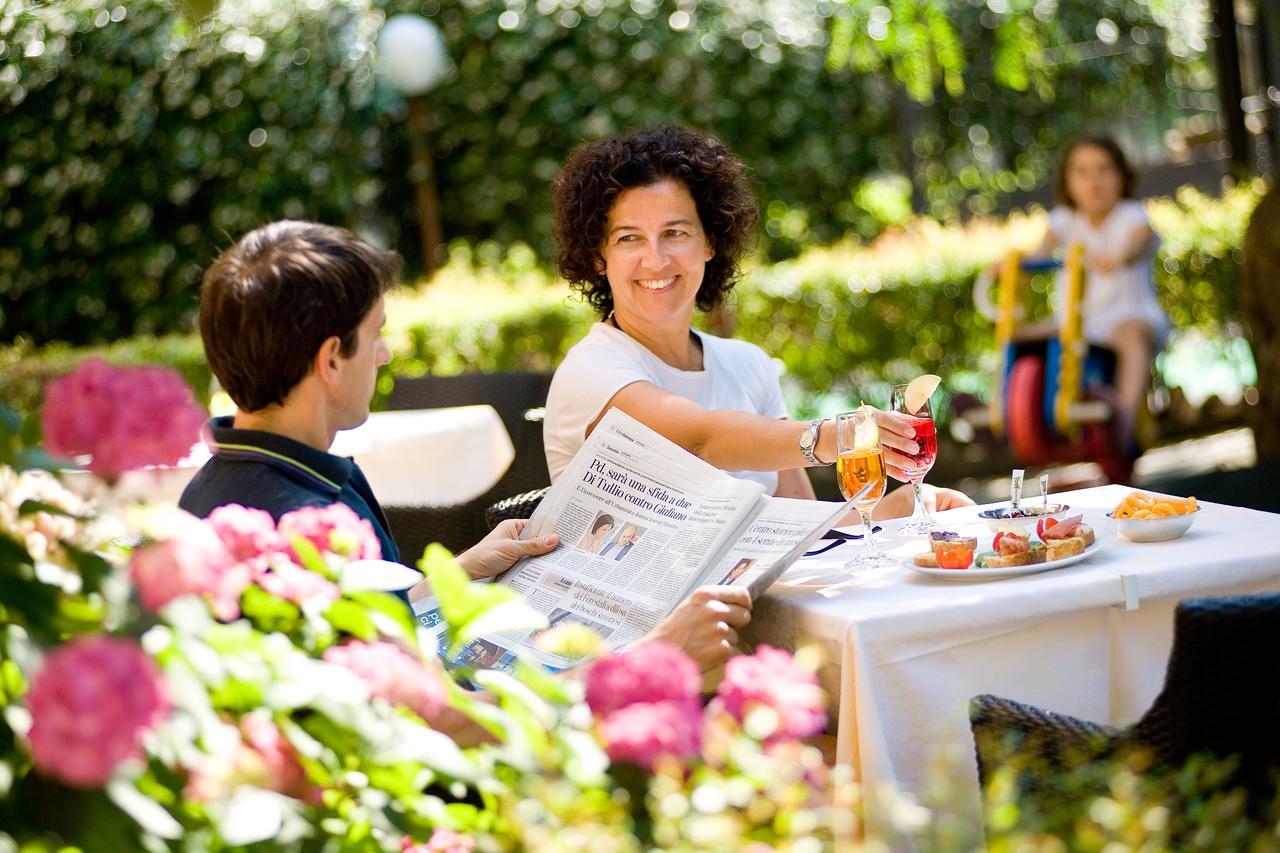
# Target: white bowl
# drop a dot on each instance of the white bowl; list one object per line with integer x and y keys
{"x": 997, "y": 521}
{"x": 1159, "y": 529}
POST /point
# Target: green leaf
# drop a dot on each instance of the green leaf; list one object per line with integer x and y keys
{"x": 12, "y": 681}
{"x": 149, "y": 814}
{"x": 37, "y": 459}
{"x": 432, "y": 749}
{"x": 461, "y": 602}
{"x": 31, "y": 507}
{"x": 31, "y": 604}
{"x": 538, "y": 678}
{"x": 513, "y": 615}
{"x": 13, "y": 553}
{"x": 353, "y": 618}
{"x": 269, "y": 612}
{"x": 92, "y": 567}
{"x": 10, "y": 423}
{"x": 236, "y": 695}
{"x": 389, "y": 614}
{"x": 309, "y": 556}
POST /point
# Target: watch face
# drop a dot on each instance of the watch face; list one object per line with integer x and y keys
{"x": 807, "y": 437}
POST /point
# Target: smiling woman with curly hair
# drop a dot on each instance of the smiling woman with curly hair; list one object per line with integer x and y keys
{"x": 597, "y": 173}
{"x": 650, "y": 226}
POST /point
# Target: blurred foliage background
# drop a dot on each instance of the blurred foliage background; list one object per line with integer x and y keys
{"x": 137, "y": 140}
{"x": 845, "y": 319}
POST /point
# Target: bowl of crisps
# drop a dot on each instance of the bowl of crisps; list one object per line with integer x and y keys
{"x": 1145, "y": 517}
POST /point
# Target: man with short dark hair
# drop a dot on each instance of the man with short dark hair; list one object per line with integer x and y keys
{"x": 291, "y": 320}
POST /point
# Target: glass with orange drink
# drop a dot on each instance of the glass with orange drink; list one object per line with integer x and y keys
{"x": 860, "y": 461}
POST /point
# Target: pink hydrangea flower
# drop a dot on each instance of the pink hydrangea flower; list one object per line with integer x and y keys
{"x": 333, "y": 528}
{"x": 247, "y": 532}
{"x": 392, "y": 675}
{"x": 771, "y": 678}
{"x": 441, "y": 841}
{"x": 90, "y": 704}
{"x": 265, "y": 759}
{"x": 643, "y": 732}
{"x": 285, "y": 770}
{"x": 651, "y": 672}
{"x": 280, "y": 576}
{"x": 122, "y": 417}
{"x": 196, "y": 562}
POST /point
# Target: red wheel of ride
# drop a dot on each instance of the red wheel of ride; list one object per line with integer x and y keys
{"x": 1024, "y": 412}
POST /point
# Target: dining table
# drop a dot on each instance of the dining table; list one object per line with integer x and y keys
{"x": 410, "y": 457}
{"x": 907, "y": 652}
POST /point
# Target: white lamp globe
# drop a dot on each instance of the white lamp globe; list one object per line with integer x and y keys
{"x": 411, "y": 54}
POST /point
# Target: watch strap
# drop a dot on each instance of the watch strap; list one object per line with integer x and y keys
{"x": 815, "y": 429}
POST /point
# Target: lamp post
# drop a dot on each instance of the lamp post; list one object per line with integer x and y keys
{"x": 412, "y": 58}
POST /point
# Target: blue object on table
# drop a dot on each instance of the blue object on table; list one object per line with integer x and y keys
{"x": 839, "y": 537}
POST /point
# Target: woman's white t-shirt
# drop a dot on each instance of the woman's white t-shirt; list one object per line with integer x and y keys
{"x": 1124, "y": 294}
{"x": 736, "y": 376}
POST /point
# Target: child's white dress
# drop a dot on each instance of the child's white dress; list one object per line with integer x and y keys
{"x": 1123, "y": 294}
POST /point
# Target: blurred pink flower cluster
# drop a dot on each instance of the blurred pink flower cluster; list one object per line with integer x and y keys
{"x": 265, "y": 759}
{"x": 90, "y": 705}
{"x": 648, "y": 705}
{"x": 333, "y": 528}
{"x": 772, "y": 679}
{"x": 441, "y": 841}
{"x": 122, "y": 417}
{"x": 392, "y": 675}
{"x": 648, "y": 702}
{"x": 197, "y": 562}
{"x": 44, "y": 533}
{"x": 238, "y": 546}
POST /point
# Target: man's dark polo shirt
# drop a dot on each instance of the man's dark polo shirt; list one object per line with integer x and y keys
{"x": 277, "y": 474}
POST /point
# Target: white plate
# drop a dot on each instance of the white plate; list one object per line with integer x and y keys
{"x": 1103, "y": 532}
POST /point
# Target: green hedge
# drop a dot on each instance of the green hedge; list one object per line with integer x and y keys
{"x": 843, "y": 319}
{"x": 134, "y": 144}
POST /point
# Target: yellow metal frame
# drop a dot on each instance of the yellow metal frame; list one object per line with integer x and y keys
{"x": 1074, "y": 346}
{"x": 1006, "y": 320}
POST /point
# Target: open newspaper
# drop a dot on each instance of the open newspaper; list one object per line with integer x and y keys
{"x": 642, "y": 523}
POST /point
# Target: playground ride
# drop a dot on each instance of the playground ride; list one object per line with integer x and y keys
{"x": 1052, "y": 393}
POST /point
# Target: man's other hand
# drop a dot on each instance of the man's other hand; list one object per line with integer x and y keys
{"x": 706, "y": 624}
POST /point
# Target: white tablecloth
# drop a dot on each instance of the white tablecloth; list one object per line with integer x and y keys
{"x": 429, "y": 456}
{"x": 910, "y": 652}
{"x": 420, "y": 456}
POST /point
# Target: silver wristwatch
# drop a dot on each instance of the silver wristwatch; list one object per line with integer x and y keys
{"x": 809, "y": 440}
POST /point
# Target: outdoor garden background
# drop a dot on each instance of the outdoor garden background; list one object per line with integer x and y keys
{"x": 898, "y": 147}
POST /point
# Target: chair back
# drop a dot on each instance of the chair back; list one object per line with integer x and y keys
{"x": 1221, "y": 692}
{"x": 511, "y": 393}
{"x": 516, "y": 506}
{"x": 518, "y": 398}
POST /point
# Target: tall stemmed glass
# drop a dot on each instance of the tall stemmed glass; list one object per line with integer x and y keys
{"x": 920, "y": 415}
{"x": 859, "y": 461}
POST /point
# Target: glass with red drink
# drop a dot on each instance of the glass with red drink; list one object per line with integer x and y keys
{"x": 920, "y": 415}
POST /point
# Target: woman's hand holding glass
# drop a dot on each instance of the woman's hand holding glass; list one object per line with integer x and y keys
{"x": 913, "y": 405}
{"x": 859, "y": 462}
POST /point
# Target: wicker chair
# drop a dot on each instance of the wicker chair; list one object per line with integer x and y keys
{"x": 1221, "y": 698}
{"x": 518, "y": 399}
{"x": 516, "y": 506}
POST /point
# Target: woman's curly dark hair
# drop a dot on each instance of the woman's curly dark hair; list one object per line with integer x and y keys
{"x": 596, "y": 173}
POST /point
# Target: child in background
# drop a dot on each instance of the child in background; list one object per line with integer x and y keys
{"x": 1095, "y": 209}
